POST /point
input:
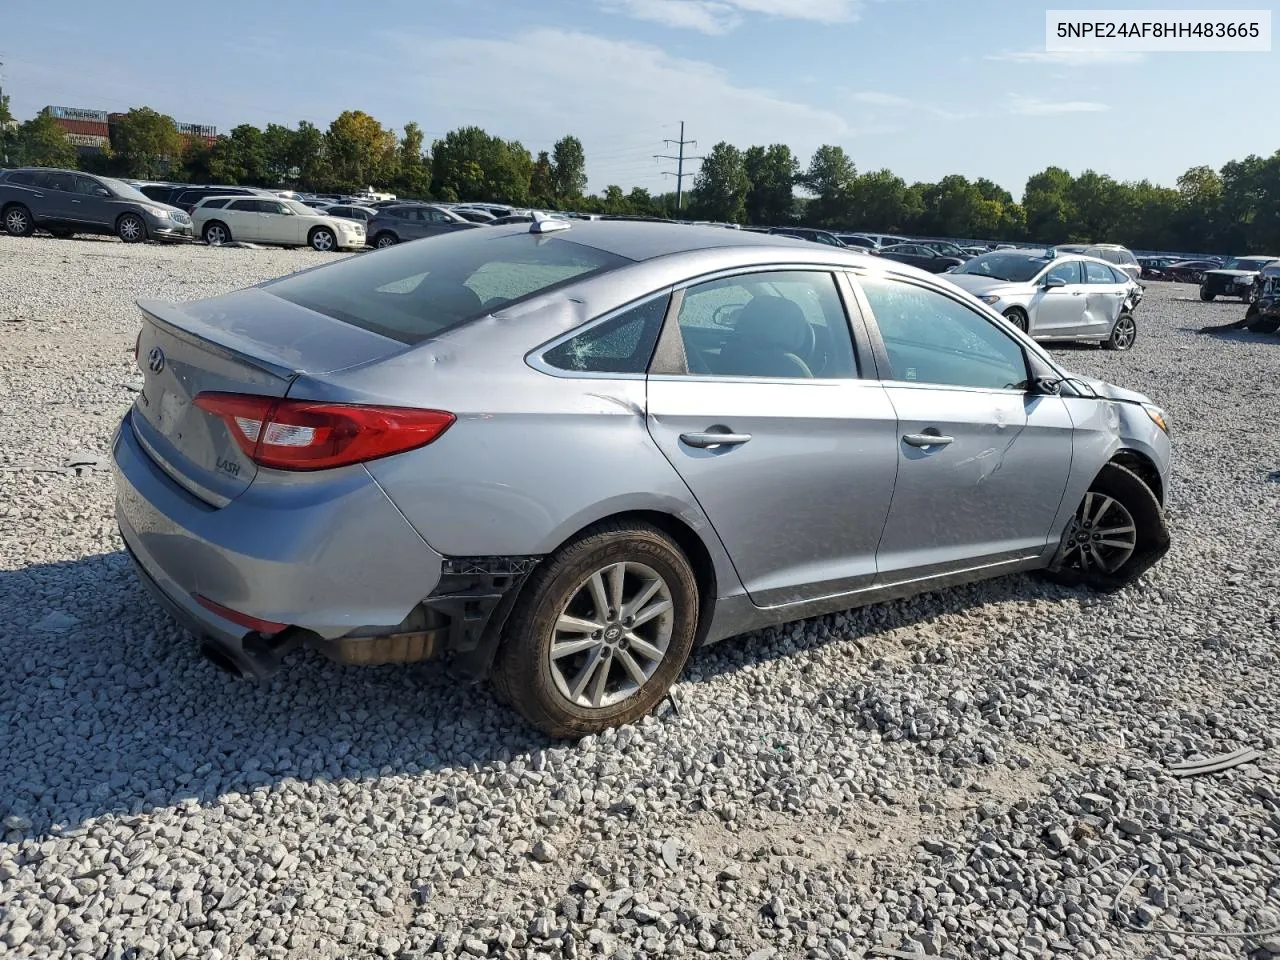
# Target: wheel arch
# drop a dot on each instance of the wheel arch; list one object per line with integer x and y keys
{"x": 1139, "y": 463}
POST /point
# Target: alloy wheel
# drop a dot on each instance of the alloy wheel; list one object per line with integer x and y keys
{"x": 1125, "y": 332}
{"x": 612, "y": 635}
{"x": 384, "y": 242}
{"x": 215, "y": 235}
{"x": 1102, "y": 535}
{"x": 16, "y": 222}
{"x": 130, "y": 229}
{"x": 322, "y": 240}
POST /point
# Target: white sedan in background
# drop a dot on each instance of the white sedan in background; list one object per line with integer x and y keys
{"x": 288, "y": 223}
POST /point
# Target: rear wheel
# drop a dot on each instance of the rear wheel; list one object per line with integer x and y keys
{"x": 600, "y": 632}
{"x": 1123, "y": 333}
{"x": 1206, "y": 296}
{"x": 216, "y": 233}
{"x": 17, "y": 221}
{"x": 1018, "y": 317}
{"x": 322, "y": 239}
{"x": 1117, "y": 533}
{"x": 131, "y": 229}
{"x": 383, "y": 240}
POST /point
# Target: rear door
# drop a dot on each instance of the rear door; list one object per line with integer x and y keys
{"x": 56, "y": 196}
{"x": 242, "y": 218}
{"x": 799, "y": 487}
{"x": 1104, "y": 299}
{"x": 982, "y": 465}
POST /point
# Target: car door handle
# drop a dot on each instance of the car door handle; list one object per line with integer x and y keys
{"x": 713, "y": 439}
{"x": 75, "y": 201}
{"x": 927, "y": 440}
{"x": 40, "y": 195}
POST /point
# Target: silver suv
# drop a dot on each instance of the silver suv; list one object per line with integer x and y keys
{"x": 1113, "y": 253}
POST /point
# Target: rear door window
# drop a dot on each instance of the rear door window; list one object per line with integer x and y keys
{"x": 621, "y": 344}
{"x": 1098, "y": 273}
{"x": 416, "y": 291}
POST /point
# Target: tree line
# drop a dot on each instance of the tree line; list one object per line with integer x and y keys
{"x": 1236, "y": 208}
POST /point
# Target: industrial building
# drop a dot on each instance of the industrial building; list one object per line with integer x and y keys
{"x": 90, "y": 130}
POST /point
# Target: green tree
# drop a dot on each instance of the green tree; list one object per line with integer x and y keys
{"x": 360, "y": 152}
{"x": 197, "y": 162}
{"x": 772, "y": 172}
{"x": 1046, "y": 200}
{"x": 720, "y": 188}
{"x": 241, "y": 157}
{"x": 542, "y": 189}
{"x": 278, "y": 154}
{"x": 414, "y": 174}
{"x": 146, "y": 142}
{"x": 830, "y": 178}
{"x": 40, "y": 142}
{"x": 614, "y": 201}
{"x": 642, "y": 204}
{"x": 568, "y": 169}
{"x": 309, "y": 157}
{"x": 6, "y": 117}
{"x": 469, "y": 164}
{"x": 880, "y": 201}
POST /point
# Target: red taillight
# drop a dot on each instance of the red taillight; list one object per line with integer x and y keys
{"x": 266, "y": 627}
{"x": 308, "y": 435}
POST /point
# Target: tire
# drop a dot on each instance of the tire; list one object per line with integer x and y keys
{"x": 323, "y": 240}
{"x": 216, "y": 233}
{"x": 1018, "y": 317}
{"x": 384, "y": 240}
{"x": 131, "y": 229}
{"x": 18, "y": 222}
{"x": 60, "y": 234}
{"x": 1123, "y": 332}
{"x": 1149, "y": 534}
{"x": 542, "y": 688}
{"x": 1206, "y": 296}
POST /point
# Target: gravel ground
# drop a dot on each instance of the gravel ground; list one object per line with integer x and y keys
{"x": 972, "y": 774}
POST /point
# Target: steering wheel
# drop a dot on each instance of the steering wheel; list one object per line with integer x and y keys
{"x": 720, "y": 314}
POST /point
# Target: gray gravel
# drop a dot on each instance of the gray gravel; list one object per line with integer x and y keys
{"x": 972, "y": 774}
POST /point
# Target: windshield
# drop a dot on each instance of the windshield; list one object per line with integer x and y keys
{"x": 124, "y": 191}
{"x": 1241, "y": 264}
{"x": 299, "y": 207}
{"x": 1014, "y": 267}
{"x": 946, "y": 249}
{"x": 415, "y": 291}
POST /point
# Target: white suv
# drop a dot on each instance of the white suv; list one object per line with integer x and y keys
{"x": 289, "y": 223}
{"x": 1113, "y": 253}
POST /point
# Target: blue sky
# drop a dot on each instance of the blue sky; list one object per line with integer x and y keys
{"x": 924, "y": 87}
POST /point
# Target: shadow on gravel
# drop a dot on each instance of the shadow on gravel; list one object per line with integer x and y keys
{"x": 106, "y": 707}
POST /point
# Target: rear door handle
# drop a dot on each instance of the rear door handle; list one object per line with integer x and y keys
{"x": 708, "y": 440}
{"x": 926, "y": 440}
{"x": 40, "y": 195}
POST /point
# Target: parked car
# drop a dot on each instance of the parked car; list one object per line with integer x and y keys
{"x": 921, "y": 256}
{"x": 411, "y": 221}
{"x": 808, "y": 233}
{"x": 220, "y": 220}
{"x": 1189, "y": 271}
{"x": 492, "y": 209}
{"x": 513, "y": 218}
{"x": 188, "y": 199}
{"x": 475, "y": 216}
{"x": 159, "y": 192}
{"x": 1055, "y": 296}
{"x": 66, "y": 202}
{"x": 1112, "y": 253}
{"x": 350, "y": 211}
{"x": 1154, "y": 268}
{"x": 945, "y": 248}
{"x": 857, "y": 240}
{"x": 358, "y": 459}
{"x": 1235, "y": 278}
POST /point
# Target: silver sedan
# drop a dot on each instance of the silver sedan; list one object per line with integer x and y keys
{"x": 1052, "y": 297}
{"x": 562, "y": 454}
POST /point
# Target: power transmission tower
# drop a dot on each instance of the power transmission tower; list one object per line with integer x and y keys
{"x": 679, "y": 158}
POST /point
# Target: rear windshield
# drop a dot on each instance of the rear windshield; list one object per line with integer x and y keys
{"x": 414, "y": 291}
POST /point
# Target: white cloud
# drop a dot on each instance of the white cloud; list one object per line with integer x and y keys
{"x": 1070, "y": 58}
{"x": 893, "y": 101}
{"x": 1034, "y": 107}
{"x": 721, "y": 16}
{"x": 621, "y": 98}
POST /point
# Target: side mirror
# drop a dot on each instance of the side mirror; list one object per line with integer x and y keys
{"x": 1045, "y": 387}
{"x": 1052, "y": 283}
{"x": 102, "y": 192}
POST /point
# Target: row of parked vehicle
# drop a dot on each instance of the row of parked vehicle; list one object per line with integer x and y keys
{"x": 1240, "y": 277}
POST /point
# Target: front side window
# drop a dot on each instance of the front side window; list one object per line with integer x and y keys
{"x": 1068, "y": 272}
{"x": 931, "y": 338}
{"x": 86, "y": 187}
{"x": 785, "y": 324}
{"x": 1097, "y": 273}
{"x": 621, "y": 344}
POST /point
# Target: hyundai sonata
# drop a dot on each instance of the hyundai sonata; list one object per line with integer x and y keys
{"x": 563, "y": 454}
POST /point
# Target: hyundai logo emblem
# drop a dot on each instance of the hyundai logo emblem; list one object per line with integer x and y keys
{"x": 155, "y": 360}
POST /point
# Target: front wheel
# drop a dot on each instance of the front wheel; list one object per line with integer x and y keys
{"x": 1206, "y": 296}
{"x": 131, "y": 229}
{"x": 1018, "y": 317}
{"x": 1117, "y": 533}
{"x": 322, "y": 239}
{"x": 215, "y": 234}
{"x": 1123, "y": 333}
{"x": 600, "y": 632}
{"x": 18, "y": 222}
{"x": 384, "y": 240}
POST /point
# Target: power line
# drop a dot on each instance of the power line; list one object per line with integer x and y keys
{"x": 680, "y": 158}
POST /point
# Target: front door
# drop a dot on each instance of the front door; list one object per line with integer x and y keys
{"x": 91, "y": 206}
{"x": 982, "y": 463}
{"x": 791, "y": 455}
{"x": 1059, "y": 311}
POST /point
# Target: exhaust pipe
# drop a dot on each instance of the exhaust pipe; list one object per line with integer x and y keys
{"x": 219, "y": 658}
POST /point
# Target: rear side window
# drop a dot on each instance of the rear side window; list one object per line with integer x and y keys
{"x": 622, "y": 344}
{"x": 1098, "y": 273}
{"x": 416, "y": 291}
{"x": 1119, "y": 276}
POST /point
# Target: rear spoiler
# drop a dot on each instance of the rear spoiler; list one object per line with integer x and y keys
{"x": 171, "y": 318}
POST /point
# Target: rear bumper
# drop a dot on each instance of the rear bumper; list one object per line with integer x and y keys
{"x": 328, "y": 556}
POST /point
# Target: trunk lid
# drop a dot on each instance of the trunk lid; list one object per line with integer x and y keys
{"x": 244, "y": 342}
